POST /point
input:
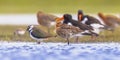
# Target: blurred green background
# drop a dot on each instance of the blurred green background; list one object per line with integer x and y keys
{"x": 59, "y": 6}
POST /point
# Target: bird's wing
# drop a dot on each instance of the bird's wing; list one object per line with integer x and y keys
{"x": 81, "y": 25}
{"x": 113, "y": 18}
{"x": 39, "y": 33}
{"x": 92, "y": 19}
{"x": 71, "y": 29}
{"x": 45, "y": 16}
{"x": 51, "y": 17}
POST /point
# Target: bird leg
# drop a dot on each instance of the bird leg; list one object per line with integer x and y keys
{"x": 77, "y": 39}
{"x": 68, "y": 41}
{"x": 14, "y": 37}
{"x": 20, "y": 37}
{"x": 38, "y": 42}
{"x": 48, "y": 30}
{"x": 94, "y": 36}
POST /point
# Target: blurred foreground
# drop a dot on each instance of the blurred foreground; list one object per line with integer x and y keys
{"x": 59, "y": 51}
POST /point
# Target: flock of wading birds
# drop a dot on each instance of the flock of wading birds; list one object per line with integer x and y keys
{"x": 66, "y": 27}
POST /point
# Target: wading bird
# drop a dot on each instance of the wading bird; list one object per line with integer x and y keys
{"x": 92, "y": 21}
{"x": 110, "y": 20}
{"x": 46, "y": 20}
{"x": 66, "y": 31}
{"x": 38, "y": 34}
{"x": 88, "y": 30}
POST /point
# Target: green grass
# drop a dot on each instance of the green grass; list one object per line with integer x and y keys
{"x": 59, "y": 6}
{"x": 6, "y": 34}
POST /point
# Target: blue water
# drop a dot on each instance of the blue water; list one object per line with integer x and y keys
{"x": 59, "y": 51}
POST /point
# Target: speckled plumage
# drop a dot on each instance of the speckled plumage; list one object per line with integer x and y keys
{"x": 88, "y": 29}
{"x": 66, "y": 31}
{"x": 68, "y": 19}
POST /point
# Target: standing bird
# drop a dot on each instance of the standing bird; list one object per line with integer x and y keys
{"x": 66, "y": 31}
{"x": 38, "y": 34}
{"x": 92, "y": 30}
{"x": 68, "y": 20}
{"x": 93, "y": 22}
{"x": 80, "y": 16}
{"x": 46, "y": 20}
{"x": 110, "y": 20}
{"x": 19, "y": 32}
{"x": 86, "y": 30}
{"x": 87, "y": 19}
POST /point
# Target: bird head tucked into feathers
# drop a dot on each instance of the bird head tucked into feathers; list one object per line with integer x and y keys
{"x": 59, "y": 21}
{"x": 67, "y": 17}
{"x": 80, "y": 15}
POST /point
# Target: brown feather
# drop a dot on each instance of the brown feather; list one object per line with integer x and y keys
{"x": 65, "y": 31}
{"x": 45, "y": 19}
{"x": 104, "y": 19}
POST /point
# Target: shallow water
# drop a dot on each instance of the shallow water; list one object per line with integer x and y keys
{"x": 59, "y": 51}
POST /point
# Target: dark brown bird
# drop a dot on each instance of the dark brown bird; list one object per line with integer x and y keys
{"x": 87, "y": 19}
{"x": 92, "y": 21}
{"x": 67, "y": 31}
{"x": 68, "y": 19}
{"x": 88, "y": 30}
{"x": 110, "y": 20}
{"x": 46, "y": 20}
{"x": 91, "y": 25}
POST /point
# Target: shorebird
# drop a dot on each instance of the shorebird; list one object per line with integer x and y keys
{"x": 46, "y": 20}
{"x": 110, "y": 20}
{"x": 92, "y": 30}
{"x": 87, "y": 19}
{"x": 93, "y": 22}
{"x": 80, "y": 15}
{"x": 19, "y": 32}
{"x": 38, "y": 34}
{"x": 66, "y": 31}
{"x": 84, "y": 29}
